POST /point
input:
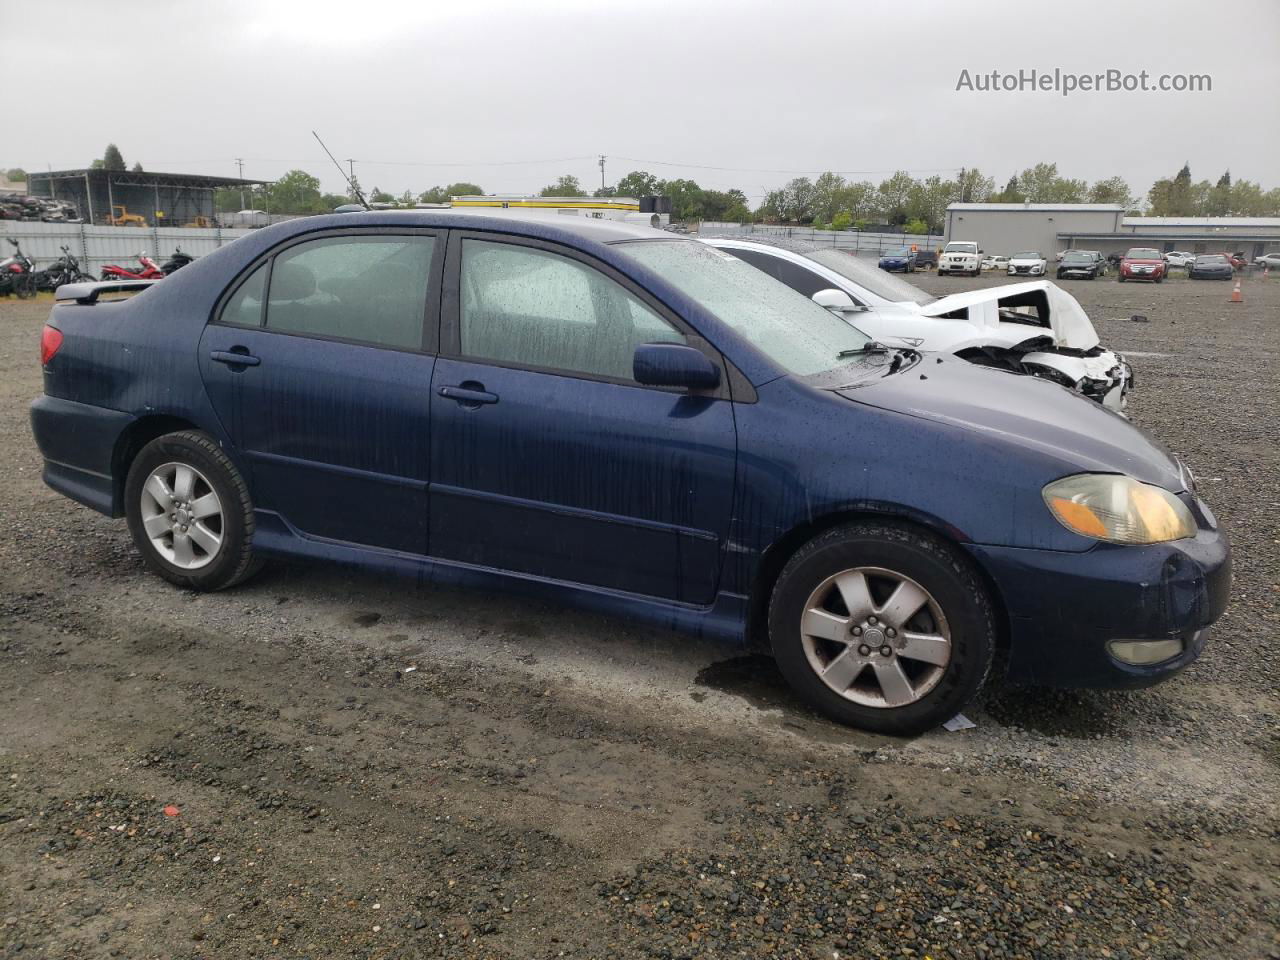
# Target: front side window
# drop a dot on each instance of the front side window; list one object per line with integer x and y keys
{"x": 529, "y": 307}
{"x": 365, "y": 289}
{"x": 791, "y": 329}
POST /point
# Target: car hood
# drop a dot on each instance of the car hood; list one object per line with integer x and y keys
{"x": 1070, "y": 325}
{"x": 1143, "y": 263}
{"x": 1026, "y": 260}
{"x": 1022, "y": 411}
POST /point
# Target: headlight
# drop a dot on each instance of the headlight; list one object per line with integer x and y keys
{"x": 1118, "y": 509}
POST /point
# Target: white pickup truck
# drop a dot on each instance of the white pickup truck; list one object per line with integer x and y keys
{"x": 960, "y": 256}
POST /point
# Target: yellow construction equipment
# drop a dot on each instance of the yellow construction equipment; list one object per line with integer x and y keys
{"x": 124, "y": 218}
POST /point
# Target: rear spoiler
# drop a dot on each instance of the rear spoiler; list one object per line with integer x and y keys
{"x": 88, "y": 293}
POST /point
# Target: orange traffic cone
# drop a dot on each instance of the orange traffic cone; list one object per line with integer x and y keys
{"x": 1236, "y": 296}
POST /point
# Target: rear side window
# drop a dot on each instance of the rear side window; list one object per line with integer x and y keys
{"x": 365, "y": 289}
{"x": 244, "y": 309}
{"x": 532, "y": 308}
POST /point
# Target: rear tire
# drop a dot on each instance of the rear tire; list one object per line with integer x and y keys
{"x": 190, "y": 514}
{"x": 900, "y": 675}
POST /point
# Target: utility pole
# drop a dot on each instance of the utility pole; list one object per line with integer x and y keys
{"x": 962, "y": 185}
{"x": 602, "y": 171}
{"x": 240, "y": 166}
{"x": 351, "y": 171}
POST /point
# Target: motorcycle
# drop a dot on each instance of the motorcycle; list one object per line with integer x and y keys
{"x": 17, "y": 274}
{"x": 148, "y": 271}
{"x": 66, "y": 269}
{"x": 176, "y": 262}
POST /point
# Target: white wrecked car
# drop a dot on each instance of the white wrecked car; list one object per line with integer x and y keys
{"x": 1035, "y": 327}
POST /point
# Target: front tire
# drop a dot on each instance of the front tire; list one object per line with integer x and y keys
{"x": 882, "y": 627}
{"x": 189, "y": 512}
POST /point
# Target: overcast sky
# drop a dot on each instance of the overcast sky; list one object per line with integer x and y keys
{"x": 512, "y": 94}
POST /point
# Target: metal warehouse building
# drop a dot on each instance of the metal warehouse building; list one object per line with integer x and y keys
{"x": 1007, "y": 228}
{"x": 174, "y": 199}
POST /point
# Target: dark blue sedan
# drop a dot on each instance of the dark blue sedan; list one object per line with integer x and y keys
{"x": 636, "y": 423}
{"x": 903, "y": 259}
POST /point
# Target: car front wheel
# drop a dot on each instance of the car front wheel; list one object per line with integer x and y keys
{"x": 189, "y": 512}
{"x": 882, "y": 627}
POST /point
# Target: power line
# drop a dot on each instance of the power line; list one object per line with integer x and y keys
{"x": 474, "y": 163}
{"x": 703, "y": 166}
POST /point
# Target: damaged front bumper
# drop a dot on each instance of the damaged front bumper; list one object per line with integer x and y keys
{"x": 1101, "y": 375}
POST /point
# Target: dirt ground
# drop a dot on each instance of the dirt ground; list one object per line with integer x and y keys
{"x": 332, "y": 764}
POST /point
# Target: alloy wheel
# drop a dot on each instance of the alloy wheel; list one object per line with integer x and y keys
{"x": 875, "y": 637}
{"x": 182, "y": 515}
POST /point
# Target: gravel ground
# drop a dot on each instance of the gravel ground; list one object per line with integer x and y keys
{"x": 329, "y": 764}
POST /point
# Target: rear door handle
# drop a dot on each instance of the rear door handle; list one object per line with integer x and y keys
{"x": 234, "y": 358}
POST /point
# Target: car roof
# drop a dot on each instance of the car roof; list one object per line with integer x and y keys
{"x": 549, "y": 226}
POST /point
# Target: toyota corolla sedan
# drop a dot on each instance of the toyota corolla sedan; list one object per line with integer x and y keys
{"x": 637, "y": 423}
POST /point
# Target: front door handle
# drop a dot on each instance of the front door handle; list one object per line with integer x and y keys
{"x": 469, "y": 394}
{"x": 235, "y": 358}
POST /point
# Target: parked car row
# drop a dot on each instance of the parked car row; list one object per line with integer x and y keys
{"x": 705, "y": 447}
{"x": 1136, "y": 263}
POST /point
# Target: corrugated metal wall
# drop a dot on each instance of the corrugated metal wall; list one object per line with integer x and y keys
{"x": 96, "y": 246}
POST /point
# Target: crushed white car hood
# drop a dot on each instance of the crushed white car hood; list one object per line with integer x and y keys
{"x": 1069, "y": 325}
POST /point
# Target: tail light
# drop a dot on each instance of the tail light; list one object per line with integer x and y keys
{"x": 50, "y": 341}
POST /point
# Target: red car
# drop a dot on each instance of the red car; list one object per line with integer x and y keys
{"x": 1237, "y": 261}
{"x": 1143, "y": 263}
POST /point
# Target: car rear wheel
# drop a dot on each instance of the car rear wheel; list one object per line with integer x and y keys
{"x": 882, "y": 627}
{"x": 189, "y": 512}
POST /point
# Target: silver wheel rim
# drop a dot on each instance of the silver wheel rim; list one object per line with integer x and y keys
{"x": 182, "y": 515}
{"x": 875, "y": 637}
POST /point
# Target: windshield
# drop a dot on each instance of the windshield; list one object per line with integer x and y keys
{"x": 1143, "y": 253}
{"x": 1083, "y": 257}
{"x": 900, "y": 252}
{"x": 959, "y": 247}
{"x": 1027, "y": 255}
{"x": 1215, "y": 258}
{"x": 786, "y": 326}
{"x": 888, "y": 286}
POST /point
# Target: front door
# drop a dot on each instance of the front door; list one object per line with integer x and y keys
{"x": 547, "y": 457}
{"x": 319, "y": 367}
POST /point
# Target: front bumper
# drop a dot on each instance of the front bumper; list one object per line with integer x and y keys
{"x": 1153, "y": 275}
{"x": 1064, "y": 607}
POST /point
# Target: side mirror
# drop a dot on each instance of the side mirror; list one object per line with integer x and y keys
{"x": 674, "y": 365}
{"x": 834, "y": 299}
{"x": 980, "y": 252}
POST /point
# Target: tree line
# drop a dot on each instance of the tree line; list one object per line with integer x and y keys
{"x": 828, "y": 201}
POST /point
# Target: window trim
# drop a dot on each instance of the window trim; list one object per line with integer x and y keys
{"x": 451, "y": 314}
{"x": 430, "y": 341}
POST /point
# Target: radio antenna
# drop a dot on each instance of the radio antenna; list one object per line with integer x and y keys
{"x": 355, "y": 190}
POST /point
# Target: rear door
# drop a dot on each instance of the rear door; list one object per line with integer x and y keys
{"x": 547, "y": 457}
{"x": 319, "y": 366}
